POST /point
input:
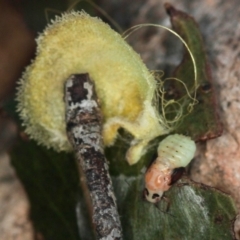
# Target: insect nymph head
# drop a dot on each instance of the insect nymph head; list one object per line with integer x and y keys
{"x": 157, "y": 181}
{"x": 174, "y": 154}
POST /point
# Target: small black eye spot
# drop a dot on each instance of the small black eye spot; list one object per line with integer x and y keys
{"x": 155, "y": 195}
{"x": 176, "y": 175}
{"x": 207, "y": 87}
{"x": 146, "y": 192}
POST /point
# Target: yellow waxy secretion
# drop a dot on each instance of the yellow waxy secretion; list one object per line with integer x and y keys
{"x": 78, "y": 43}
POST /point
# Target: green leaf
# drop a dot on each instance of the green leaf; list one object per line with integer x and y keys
{"x": 203, "y": 122}
{"x": 189, "y": 210}
{"x": 51, "y": 181}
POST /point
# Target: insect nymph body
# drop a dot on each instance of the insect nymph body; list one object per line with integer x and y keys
{"x": 174, "y": 153}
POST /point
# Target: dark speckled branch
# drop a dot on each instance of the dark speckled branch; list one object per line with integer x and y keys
{"x": 84, "y": 125}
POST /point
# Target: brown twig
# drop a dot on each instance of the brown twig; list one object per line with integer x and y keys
{"x": 83, "y": 121}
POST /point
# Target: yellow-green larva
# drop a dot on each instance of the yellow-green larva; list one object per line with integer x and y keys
{"x": 174, "y": 152}
{"x": 78, "y": 43}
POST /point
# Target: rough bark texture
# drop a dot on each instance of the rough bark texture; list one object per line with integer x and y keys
{"x": 84, "y": 124}
{"x": 14, "y": 220}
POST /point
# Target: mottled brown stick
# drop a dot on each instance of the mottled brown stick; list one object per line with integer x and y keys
{"x": 84, "y": 125}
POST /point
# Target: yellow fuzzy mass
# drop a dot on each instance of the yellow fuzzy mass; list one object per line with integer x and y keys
{"x": 79, "y": 43}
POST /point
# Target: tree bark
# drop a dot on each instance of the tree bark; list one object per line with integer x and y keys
{"x": 84, "y": 128}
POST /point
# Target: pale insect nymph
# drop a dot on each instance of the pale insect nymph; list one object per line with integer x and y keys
{"x": 174, "y": 153}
